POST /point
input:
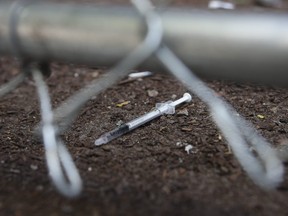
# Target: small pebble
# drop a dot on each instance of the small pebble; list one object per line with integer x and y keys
{"x": 174, "y": 96}
{"x": 33, "y": 167}
{"x": 216, "y": 4}
{"x": 120, "y": 122}
{"x": 107, "y": 148}
{"x": 152, "y": 93}
{"x": 95, "y": 74}
{"x": 180, "y": 144}
{"x": 188, "y": 149}
{"x": 186, "y": 129}
{"x": 183, "y": 112}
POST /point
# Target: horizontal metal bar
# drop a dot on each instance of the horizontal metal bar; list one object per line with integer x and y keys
{"x": 240, "y": 46}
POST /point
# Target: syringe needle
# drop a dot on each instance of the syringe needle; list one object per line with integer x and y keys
{"x": 161, "y": 108}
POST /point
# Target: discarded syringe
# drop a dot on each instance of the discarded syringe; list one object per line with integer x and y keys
{"x": 161, "y": 108}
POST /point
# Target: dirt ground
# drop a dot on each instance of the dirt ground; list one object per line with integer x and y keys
{"x": 147, "y": 171}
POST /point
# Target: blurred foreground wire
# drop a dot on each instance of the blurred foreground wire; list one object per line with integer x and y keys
{"x": 265, "y": 168}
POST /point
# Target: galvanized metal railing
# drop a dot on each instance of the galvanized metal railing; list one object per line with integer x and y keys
{"x": 236, "y": 45}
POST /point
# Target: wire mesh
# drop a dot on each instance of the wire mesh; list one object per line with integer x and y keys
{"x": 264, "y": 167}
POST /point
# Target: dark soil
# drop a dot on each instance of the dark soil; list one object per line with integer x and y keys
{"x": 147, "y": 171}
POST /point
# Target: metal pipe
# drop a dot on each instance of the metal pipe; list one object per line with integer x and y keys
{"x": 240, "y": 46}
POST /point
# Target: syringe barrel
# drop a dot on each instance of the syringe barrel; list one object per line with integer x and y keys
{"x": 144, "y": 119}
{"x": 117, "y": 132}
{"x": 161, "y": 108}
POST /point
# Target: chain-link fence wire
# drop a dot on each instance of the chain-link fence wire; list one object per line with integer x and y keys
{"x": 263, "y": 166}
